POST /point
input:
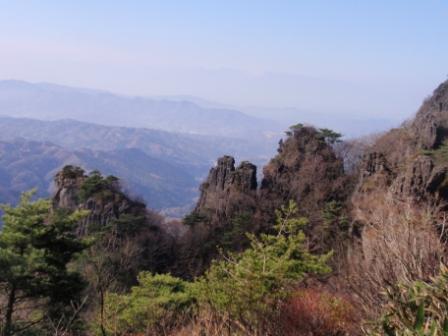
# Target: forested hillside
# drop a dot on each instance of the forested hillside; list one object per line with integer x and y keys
{"x": 162, "y": 168}
{"x": 315, "y": 248}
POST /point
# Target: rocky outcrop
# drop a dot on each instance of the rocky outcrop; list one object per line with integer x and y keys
{"x": 68, "y": 183}
{"x": 228, "y": 194}
{"x": 430, "y": 125}
{"x": 374, "y": 163}
{"x": 395, "y": 199}
{"x": 110, "y": 211}
{"x": 400, "y": 202}
{"x": 228, "y": 189}
{"x": 105, "y": 203}
{"x": 410, "y": 160}
{"x": 307, "y": 171}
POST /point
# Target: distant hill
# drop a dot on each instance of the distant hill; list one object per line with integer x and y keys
{"x": 28, "y": 164}
{"x": 179, "y": 147}
{"x": 52, "y": 102}
{"x": 161, "y": 167}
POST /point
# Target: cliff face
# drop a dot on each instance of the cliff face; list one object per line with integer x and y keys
{"x": 430, "y": 125}
{"x": 395, "y": 199}
{"x": 228, "y": 190}
{"x": 400, "y": 201}
{"x": 307, "y": 171}
{"x": 411, "y": 161}
{"x": 104, "y": 204}
{"x": 228, "y": 195}
{"x": 68, "y": 183}
{"x": 119, "y": 219}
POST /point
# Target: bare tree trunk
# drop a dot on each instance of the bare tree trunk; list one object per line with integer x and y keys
{"x": 103, "y": 330}
{"x": 7, "y": 331}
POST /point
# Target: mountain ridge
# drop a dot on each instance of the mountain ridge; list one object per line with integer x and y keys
{"x": 51, "y": 101}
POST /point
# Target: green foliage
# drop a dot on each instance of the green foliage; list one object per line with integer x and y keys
{"x": 420, "y": 309}
{"x": 194, "y": 218}
{"x": 335, "y": 227}
{"x": 36, "y": 246}
{"x": 293, "y": 128}
{"x": 330, "y": 136}
{"x": 234, "y": 236}
{"x": 246, "y": 285}
{"x": 296, "y": 127}
{"x": 440, "y": 155}
{"x": 96, "y": 183}
{"x": 156, "y": 304}
{"x": 70, "y": 171}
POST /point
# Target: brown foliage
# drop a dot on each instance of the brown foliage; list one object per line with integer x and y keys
{"x": 399, "y": 244}
{"x": 312, "y": 312}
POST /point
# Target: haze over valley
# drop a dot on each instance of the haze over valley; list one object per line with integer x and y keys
{"x": 223, "y": 168}
{"x": 161, "y": 147}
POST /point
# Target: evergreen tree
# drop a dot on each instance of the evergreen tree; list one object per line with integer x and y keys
{"x": 243, "y": 289}
{"x": 36, "y": 245}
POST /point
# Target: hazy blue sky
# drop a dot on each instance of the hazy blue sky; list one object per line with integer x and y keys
{"x": 359, "y": 57}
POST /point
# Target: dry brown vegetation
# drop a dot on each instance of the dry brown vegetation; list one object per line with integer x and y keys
{"x": 399, "y": 244}
{"x": 319, "y": 313}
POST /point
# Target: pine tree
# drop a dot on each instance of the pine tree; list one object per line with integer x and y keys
{"x": 36, "y": 245}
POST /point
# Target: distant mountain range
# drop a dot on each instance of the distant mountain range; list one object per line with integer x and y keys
{"x": 178, "y": 147}
{"x": 163, "y": 185}
{"x": 161, "y": 147}
{"x": 163, "y": 168}
{"x": 54, "y": 102}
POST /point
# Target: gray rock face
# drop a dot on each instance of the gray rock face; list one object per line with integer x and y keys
{"x": 406, "y": 162}
{"x": 306, "y": 170}
{"x": 68, "y": 183}
{"x": 412, "y": 182}
{"x": 228, "y": 189}
{"x": 430, "y": 125}
{"x": 101, "y": 209}
{"x": 374, "y": 163}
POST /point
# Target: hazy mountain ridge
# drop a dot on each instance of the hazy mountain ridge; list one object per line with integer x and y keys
{"x": 52, "y": 102}
{"x": 180, "y": 147}
{"x": 28, "y": 164}
{"x": 161, "y": 167}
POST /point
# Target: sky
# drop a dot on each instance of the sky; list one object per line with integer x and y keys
{"x": 366, "y": 59}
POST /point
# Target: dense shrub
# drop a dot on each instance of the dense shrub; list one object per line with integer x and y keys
{"x": 247, "y": 286}
{"x": 72, "y": 172}
{"x": 194, "y": 218}
{"x": 318, "y": 313}
{"x": 241, "y": 291}
{"x": 158, "y": 304}
{"x": 419, "y": 308}
{"x": 96, "y": 183}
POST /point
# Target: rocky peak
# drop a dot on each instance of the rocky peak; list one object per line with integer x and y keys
{"x": 101, "y": 196}
{"x": 430, "y": 125}
{"x": 226, "y": 186}
{"x": 68, "y": 183}
{"x": 221, "y": 176}
{"x": 228, "y": 193}
{"x": 306, "y": 170}
{"x": 410, "y": 162}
